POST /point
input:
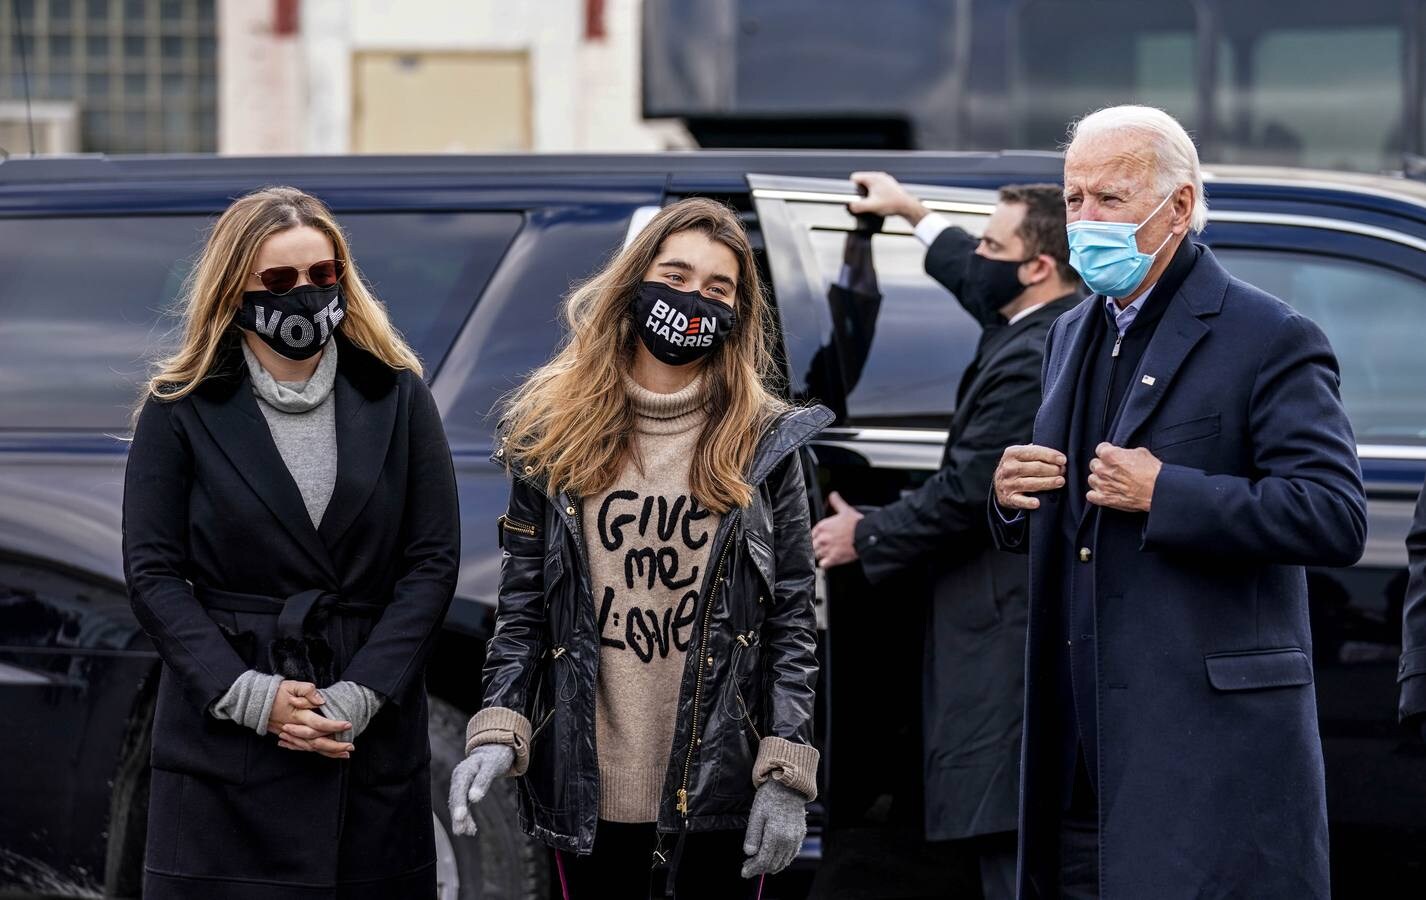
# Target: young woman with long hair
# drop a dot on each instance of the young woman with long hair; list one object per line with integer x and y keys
{"x": 291, "y": 546}
{"x": 651, "y": 675}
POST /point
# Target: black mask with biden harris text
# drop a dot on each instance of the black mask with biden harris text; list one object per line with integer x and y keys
{"x": 679, "y": 327}
{"x": 296, "y": 324}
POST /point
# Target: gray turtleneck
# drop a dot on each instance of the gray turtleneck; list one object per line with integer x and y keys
{"x": 301, "y": 415}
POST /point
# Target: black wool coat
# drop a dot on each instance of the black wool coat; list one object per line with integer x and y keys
{"x": 222, "y": 562}
{"x": 973, "y": 687}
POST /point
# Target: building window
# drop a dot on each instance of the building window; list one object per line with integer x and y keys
{"x": 141, "y": 73}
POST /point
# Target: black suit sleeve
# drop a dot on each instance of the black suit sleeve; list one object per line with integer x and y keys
{"x": 395, "y": 652}
{"x": 951, "y": 505}
{"x": 1010, "y": 535}
{"x": 156, "y": 562}
{"x": 1412, "y": 672}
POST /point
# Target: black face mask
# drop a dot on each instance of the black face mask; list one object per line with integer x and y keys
{"x": 297, "y": 324}
{"x": 679, "y": 327}
{"x": 989, "y": 285}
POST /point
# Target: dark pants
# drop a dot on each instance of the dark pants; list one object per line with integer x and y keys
{"x": 1079, "y": 842}
{"x": 996, "y": 853}
{"x": 622, "y": 865}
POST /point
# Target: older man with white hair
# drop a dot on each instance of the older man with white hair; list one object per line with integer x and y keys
{"x": 1190, "y": 456}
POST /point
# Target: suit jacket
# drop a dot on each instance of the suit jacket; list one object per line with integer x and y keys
{"x": 1411, "y": 672}
{"x": 217, "y": 544}
{"x": 1209, "y": 771}
{"x": 975, "y": 644}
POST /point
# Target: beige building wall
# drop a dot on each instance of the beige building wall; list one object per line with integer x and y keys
{"x": 260, "y": 82}
{"x": 434, "y": 76}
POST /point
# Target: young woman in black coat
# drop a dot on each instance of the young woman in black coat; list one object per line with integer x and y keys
{"x": 291, "y": 545}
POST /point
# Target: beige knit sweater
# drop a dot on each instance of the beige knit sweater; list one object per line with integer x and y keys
{"x": 648, "y": 544}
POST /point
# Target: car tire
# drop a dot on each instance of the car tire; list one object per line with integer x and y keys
{"x": 501, "y": 861}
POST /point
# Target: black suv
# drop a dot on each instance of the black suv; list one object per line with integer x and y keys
{"x": 472, "y": 255}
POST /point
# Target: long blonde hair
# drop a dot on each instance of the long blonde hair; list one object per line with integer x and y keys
{"x": 572, "y": 422}
{"x": 213, "y": 291}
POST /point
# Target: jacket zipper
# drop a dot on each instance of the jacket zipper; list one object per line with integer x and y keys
{"x": 1109, "y": 388}
{"x": 698, "y": 683}
{"x": 518, "y": 527}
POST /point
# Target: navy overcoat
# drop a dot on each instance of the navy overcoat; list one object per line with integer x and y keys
{"x": 1209, "y": 763}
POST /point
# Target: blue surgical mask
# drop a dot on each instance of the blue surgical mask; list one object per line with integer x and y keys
{"x": 1106, "y": 254}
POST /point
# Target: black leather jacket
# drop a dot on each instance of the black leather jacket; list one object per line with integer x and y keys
{"x": 753, "y": 646}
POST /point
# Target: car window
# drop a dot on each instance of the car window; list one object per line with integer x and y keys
{"x": 1374, "y": 318}
{"x": 86, "y": 300}
{"x": 923, "y": 339}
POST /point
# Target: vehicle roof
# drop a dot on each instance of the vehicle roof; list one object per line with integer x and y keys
{"x": 25, "y": 180}
{"x": 99, "y": 167}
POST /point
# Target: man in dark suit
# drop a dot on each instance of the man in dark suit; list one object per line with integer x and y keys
{"x": 1015, "y": 280}
{"x": 1190, "y": 457}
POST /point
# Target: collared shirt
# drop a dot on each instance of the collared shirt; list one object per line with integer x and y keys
{"x": 1123, "y": 318}
{"x": 1026, "y": 311}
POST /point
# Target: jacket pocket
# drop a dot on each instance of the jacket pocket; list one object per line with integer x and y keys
{"x": 1183, "y": 432}
{"x": 396, "y": 744}
{"x": 763, "y": 560}
{"x": 732, "y": 725}
{"x": 1255, "y": 670}
{"x": 545, "y": 786}
{"x": 965, "y": 597}
{"x": 193, "y": 742}
{"x": 506, "y": 525}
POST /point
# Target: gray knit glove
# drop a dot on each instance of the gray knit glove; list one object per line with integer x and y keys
{"x": 348, "y": 701}
{"x": 776, "y": 827}
{"x": 472, "y": 778}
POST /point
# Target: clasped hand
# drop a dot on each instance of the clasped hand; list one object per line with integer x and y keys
{"x": 1119, "y": 478}
{"x": 298, "y": 725}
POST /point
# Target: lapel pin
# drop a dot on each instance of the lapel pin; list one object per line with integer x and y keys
{"x": 1149, "y": 380}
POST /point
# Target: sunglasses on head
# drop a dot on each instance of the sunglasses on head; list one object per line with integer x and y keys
{"x": 282, "y": 279}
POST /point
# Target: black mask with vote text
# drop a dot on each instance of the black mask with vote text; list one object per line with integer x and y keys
{"x": 298, "y": 324}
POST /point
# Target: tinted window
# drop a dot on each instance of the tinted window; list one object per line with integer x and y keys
{"x": 83, "y": 299}
{"x": 429, "y": 268}
{"x": 1072, "y": 57}
{"x": 923, "y": 339}
{"x": 1374, "y": 319}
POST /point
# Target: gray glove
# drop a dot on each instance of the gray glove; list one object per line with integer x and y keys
{"x": 776, "y": 827}
{"x": 472, "y": 778}
{"x": 348, "y": 701}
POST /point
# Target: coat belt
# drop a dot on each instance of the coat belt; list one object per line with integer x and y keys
{"x": 293, "y": 613}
